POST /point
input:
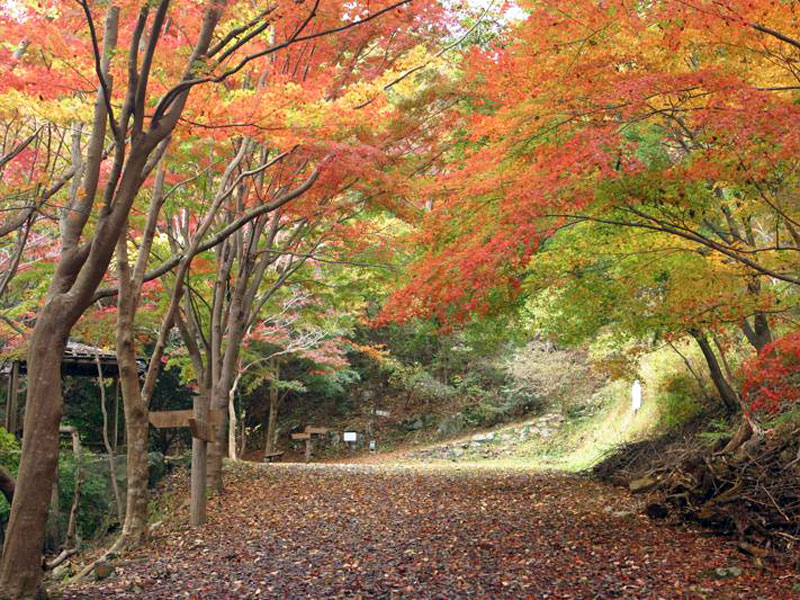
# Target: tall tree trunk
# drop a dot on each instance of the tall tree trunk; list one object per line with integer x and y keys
{"x": 134, "y": 530}
{"x": 726, "y": 393}
{"x": 21, "y": 570}
{"x": 231, "y": 427}
{"x": 228, "y": 360}
{"x": 112, "y": 461}
{"x": 273, "y": 410}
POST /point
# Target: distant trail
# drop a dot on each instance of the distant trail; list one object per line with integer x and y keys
{"x": 363, "y": 531}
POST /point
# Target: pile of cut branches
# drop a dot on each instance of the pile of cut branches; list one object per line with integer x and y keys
{"x": 630, "y": 460}
{"x": 752, "y": 494}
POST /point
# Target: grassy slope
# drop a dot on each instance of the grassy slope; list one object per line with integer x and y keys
{"x": 605, "y": 421}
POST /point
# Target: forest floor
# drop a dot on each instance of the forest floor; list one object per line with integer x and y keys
{"x": 381, "y": 531}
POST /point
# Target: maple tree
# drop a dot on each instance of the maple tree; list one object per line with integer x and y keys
{"x": 619, "y": 167}
{"x": 673, "y": 121}
{"x": 143, "y": 66}
{"x": 672, "y": 118}
{"x": 771, "y": 378}
{"x": 598, "y": 279}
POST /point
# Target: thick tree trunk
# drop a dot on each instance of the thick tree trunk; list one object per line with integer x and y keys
{"x": 134, "y": 530}
{"x": 137, "y": 432}
{"x": 215, "y": 453}
{"x": 21, "y": 568}
{"x": 726, "y": 393}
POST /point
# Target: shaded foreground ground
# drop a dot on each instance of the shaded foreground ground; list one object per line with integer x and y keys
{"x": 363, "y": 531}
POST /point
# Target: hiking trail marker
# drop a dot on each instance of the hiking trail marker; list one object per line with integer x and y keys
{"x": 307, "y": 436}
{"x": 203, "y": 432}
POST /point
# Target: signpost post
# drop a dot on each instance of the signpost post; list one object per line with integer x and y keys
{"x": 202, "y": 433}
{"x": 306, "y": 435}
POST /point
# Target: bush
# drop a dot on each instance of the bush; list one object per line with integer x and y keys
{"x": 9, "y": 451}
{"x": 772, "y": 379}
{"x": 678, "y": 400}
{"x": 97, "y": 509}
{"x": 9, "y": 459}
{"x": 677, "y": 409}
{"x": 563, "y": 378}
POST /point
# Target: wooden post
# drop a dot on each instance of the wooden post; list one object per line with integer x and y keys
{"x": 202, "y": 421}
{"x": 308, "y": 449}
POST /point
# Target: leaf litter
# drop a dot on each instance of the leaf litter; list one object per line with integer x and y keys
{"x": 391, "y": 532}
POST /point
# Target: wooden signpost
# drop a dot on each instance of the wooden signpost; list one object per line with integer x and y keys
{"x": 183, "y": 418}
{"x": 306, "y": 435}
{"x": 203, "y": 432}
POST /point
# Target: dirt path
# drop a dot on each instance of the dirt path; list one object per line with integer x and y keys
{"x": 363, "y": 531}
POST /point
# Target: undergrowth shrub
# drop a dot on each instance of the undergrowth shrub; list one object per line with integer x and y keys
{"x": 677, "y": 409}
{"x": 563, "y": 378}
{"x": 678, "y": 400}
{"x": 9, "y": 459}
{"x": 772, "y": 379}
{"x": 96, "y": 510}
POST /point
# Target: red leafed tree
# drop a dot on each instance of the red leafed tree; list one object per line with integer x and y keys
{"x": 134, "y": 66}
{"x": 772, "y": 379}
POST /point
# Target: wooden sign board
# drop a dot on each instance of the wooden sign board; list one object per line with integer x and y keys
{"x": 316, "y": 430}
{"x": 180, "y": 418}
{"x": 301, "y": 436}
{"x": 350, "y": 436}
{"x": 202, "y": 430}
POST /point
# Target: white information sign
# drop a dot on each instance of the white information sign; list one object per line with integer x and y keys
{"x": 636, "y": 396}
{"x": 350, "y": 436}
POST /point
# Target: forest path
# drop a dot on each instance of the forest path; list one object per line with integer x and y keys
{"x": 375, "y": 531}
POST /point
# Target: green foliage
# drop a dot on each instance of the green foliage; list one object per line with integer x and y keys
{"x": 332, "y": 385}
{"x": 718, "y": 429}
{"x": 678, "y": 401}
{"x": 418, "y": 381}
{"x": 97, "y": 508}
{"x": 677, "y": 409}
{"x": 9, "y": 450}
{"x": 9, "y": 459}
{"x": 97, "y": 499}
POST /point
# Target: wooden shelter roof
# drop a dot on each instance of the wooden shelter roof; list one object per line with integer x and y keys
{"x": 80, "y": 360}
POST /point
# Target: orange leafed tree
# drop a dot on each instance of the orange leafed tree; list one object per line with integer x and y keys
{"x": 672, "y": 117}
